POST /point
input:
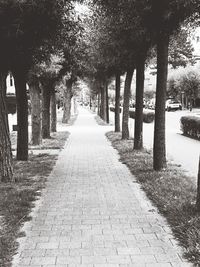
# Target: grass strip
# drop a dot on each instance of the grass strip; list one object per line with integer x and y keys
{"x": 17, "y": 199}
{"x": 171, "y": 190}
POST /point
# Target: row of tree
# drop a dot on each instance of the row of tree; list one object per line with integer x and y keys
{"x": 44, "y": 43}
{"x": 124, "y": 37}
{"x": 41, "y": 46}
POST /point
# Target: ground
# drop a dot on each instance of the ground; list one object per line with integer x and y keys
{"x": 93, "y": 213}
{"x": 181, "y": 150}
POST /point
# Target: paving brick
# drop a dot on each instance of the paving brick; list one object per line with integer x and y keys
{"x": 43, "y": 261}
{"x": 93, "y": 259}
{"x": 129, "y": 251}
{"x": 68, "y": 260}
{"x": 93, "y": 213}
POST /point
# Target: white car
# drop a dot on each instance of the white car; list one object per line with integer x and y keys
{"x": 172, "y": 104}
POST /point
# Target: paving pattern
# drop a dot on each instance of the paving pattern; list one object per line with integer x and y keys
{"x": 93, "y": 213}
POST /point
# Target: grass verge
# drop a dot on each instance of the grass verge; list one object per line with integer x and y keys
{"x": 101, "y": 122}
{"x": 170, "y": 190}
{"x": 17, "y": 199}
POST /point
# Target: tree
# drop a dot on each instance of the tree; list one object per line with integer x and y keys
{"x": 127, "y": 93}
{"x": 30, "y": 25}
{"x": 104, "y": 58}
{"x": 117, "y": 102}
{"x": 67, "y": 100}
{"x": 132, "y": 43}
{"x": 138, "y": 134}
{"x": 6, "y": 170}
{"x": 53, "y": 111}
{"x": 176, "y": 86}
{"x": 48, "y": 76}
{"x": 162, "y": 18}
{"x": 36, "y": 24}
{"x": 34, "y": 90}
{"x": 73, "y": 65}
{"x": 181, "y": 49}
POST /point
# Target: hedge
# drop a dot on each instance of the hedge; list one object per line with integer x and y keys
{"x": 148, "y": 116}
{"x": 190, "y": 126}
{"x": 113, "y": 109}
{"x": 11, "y": 104}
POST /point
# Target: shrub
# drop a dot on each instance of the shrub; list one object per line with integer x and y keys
{"x": 113, "y": 109}
{"x": 148, "y": 116}
{"x": 11, "y": 104}
{"x": 190, "y": 126}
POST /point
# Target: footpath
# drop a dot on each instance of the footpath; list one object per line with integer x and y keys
{"x": 92, "y": 212}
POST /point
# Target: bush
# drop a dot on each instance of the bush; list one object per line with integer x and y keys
{"x": 148, "y": 116}
{"x": 11, "y": 104}
{"x": 113, "y": 109}
{"x": 190, "y": 126}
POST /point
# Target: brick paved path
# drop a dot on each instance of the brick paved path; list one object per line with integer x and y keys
{"x": 93, "y": 213}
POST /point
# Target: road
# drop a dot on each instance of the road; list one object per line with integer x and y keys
{"x": 181, "y": 150}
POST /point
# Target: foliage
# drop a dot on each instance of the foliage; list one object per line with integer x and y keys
{"x": 184, "y": 80}
{"x": 25, "y": 26}
{"x": 181, "y": 49}
{"x": 73, "y": 48}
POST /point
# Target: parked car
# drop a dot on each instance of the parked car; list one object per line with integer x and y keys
{"x": 172, "y": 104}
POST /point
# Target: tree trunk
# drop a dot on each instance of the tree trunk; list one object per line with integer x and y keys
{"x": 6, "y": 166}
{"x": 46, "y": 95}
{"x": 75, "y": 106}
{"x": 138, "y": 132}
{"x": 67, "y": 102}
{"x": 107, "y": 103}
{"x": 117, "y": 102}
{"x": 127, "y": 93}
{"x": 22, "y": 114}
{"x": 159, "y": 150}
{"x": 99, "y": 103}
{"x": 34, "y": 90}
{"x": 198, "y": 189}
{"x": 4, "y": 84}
{"x": 103, "y": 105}
{"x": 53, "y": 111}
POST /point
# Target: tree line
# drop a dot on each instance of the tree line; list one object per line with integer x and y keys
{"x": 125, "y": 37}
{"x": 40, "y": 46}
{"x": 45, "y": 43}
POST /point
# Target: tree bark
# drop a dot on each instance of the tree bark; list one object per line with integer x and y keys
{"x": 53, "y": 111}
{"x": 34, "y": 90}
{"x": 138, "y": 132}
{"x": 22, "y": 114}
{"x": 159, "y": 150}
{"x": 4, "y": 85}
{"x": 107, "y": 102}
{"x": 67, "y": 102}
{"x": 75, "y": 106}
{"x": 127, "y": 93}
{"x": 198, "y": 189}
{"x": 117, "y": 102}
{"x": 6, "y": 163}
{"x": 46, "y": 95}
{"x": 99, "y": 103}
{"x": 103, "y": 105}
